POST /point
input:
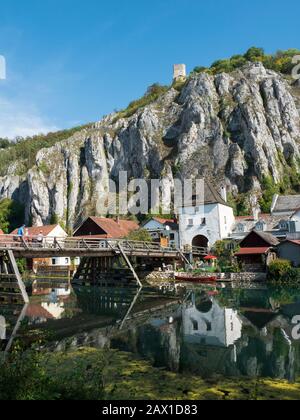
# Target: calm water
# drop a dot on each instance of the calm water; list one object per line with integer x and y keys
{"x": 201, "y": 330}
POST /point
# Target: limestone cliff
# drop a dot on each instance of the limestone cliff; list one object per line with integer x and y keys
{"x": 236, "y": 128}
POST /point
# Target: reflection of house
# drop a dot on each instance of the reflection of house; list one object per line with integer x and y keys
{"x": 98, "y": 227}
{"x": 203, "y": 224}
{"x": 38, "y": 314}
{"x": 56, "y": 310}
{"x": 49, "y": 234}
{"x": 212, "y": 325}
{"x": 290, "y": 250}
{"x": 257, "y": 250}
{"x": 163, "y": 228}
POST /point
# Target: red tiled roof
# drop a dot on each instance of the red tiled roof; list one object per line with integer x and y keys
{"x": 37, "y": 311}
{"x": 163, "y": 221}
{"x": 292, "y": 241}
{"x": 35, "y": 230}
{"x": 115, "y": 229}
{"x": 253, "y": 251}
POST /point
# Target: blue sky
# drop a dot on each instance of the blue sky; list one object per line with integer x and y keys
{"x": 70, "y": 62}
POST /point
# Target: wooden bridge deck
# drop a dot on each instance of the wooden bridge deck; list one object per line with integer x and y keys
{"x": 30, "y": 247}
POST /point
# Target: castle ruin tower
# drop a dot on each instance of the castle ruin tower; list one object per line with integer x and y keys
{"x": 179, "y": 72}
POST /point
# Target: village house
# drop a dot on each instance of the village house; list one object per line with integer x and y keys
{"x": 290, "y": 250}
{"x": 204, "y": 225}
{"x": 283, "y": 221}
{"x": 162, "y": 230}
{"x": 267, "y": 223}
{"x": 49, "y": 234}
{"x": 102, "y": 228}
{"x": 285, "y": 205}
{"x": 257, "y": 250}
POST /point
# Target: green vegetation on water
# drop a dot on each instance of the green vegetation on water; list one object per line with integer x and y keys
{"x": 90, "y": 374}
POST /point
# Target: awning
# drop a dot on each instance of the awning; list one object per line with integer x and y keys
{"x": 253, "y": 251}
{"x": 210, "y": 257}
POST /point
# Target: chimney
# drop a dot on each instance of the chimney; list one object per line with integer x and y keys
{"x": 256, "y": 212}
{"x": 224, "y": 193}
{"x": 274, "y": 203}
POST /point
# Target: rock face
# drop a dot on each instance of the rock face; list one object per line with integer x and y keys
{"x": 234, "y": 128}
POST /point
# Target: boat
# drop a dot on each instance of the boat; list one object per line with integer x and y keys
{"x": 189, "y": 278}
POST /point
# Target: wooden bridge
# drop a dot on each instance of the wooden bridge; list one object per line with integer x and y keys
{"x": 99, "y": 258}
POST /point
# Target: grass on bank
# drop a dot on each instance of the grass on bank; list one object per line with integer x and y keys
{"x": 90, "y": 374}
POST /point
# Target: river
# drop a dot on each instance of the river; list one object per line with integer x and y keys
{"x": 204, "y": 330}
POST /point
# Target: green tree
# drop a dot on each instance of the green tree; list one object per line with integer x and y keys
{"x": 140, "y": 235}
{"x": 11, "y": 215}
{"x": 254, "y": 54}
{"x": 269, "y": 190}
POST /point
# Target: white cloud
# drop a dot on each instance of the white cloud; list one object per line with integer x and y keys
{"x": 17, "y": 119}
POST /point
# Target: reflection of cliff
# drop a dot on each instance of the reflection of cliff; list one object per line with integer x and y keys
{"x": 158, "y": 340}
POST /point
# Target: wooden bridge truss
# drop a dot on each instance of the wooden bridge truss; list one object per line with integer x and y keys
{"x": 100, "y": 259}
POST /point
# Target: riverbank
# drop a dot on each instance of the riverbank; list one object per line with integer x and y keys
{"x": 113, "y": 375}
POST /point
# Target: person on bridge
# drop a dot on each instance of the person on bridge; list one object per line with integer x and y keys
{"x": 21, "y": 231}
{"x": 40, "y": 239}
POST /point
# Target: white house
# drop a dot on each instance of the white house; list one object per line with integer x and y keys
{"x": 204, "y": 225}
{"x": 295, "y": 218}
{"x": 211, "y": 325}
{"x": 167, "y": 228}
{"x": 49, "y": 233}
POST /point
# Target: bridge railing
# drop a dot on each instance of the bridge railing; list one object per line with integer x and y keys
{"x": 73, "y": 243}
{"x": 86, "y": 243}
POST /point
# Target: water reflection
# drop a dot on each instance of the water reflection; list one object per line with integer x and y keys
{"x": 227, "y": 331}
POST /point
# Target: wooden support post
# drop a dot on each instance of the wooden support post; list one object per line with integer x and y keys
{"x": 16, "y": 272}
{"x": 130, "y": 265}
{"x": 11, "y": 283}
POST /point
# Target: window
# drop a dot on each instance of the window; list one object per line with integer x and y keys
{"x": 208, "y": 326}
{"x": 225, "y": 220}
{"x": 241, "y": 228}
{"x": 260, "y": 226}
{"x": 53, "y": 261}
{"x": 191, "y": 222}
{"x": 283, "y": 225}
{"x": 195, "y": 325}
{"x": 172, "y": 236}
{"x": 67, "y": 261}
{"x": 203, "y": 221}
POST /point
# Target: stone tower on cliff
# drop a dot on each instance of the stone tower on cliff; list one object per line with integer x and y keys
{"x": 179, "y": 72}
